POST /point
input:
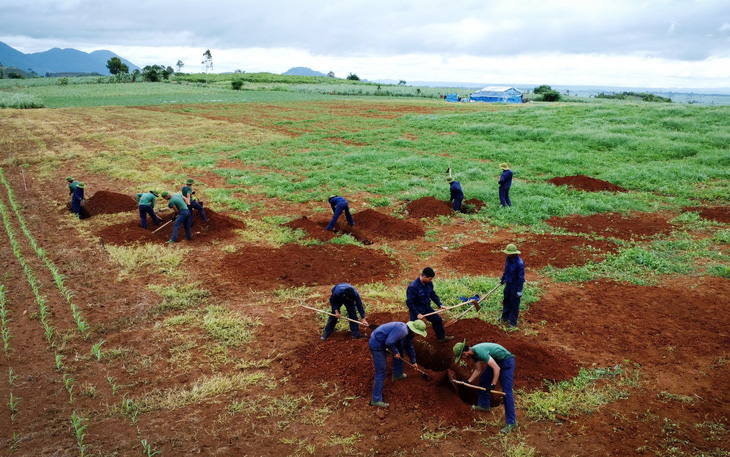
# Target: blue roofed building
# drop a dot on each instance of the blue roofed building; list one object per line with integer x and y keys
{"x": 497, "y": 94}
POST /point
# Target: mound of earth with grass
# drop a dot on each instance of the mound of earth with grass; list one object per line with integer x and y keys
{"x": 371, "y": 225}
{"x": 614, "y": 225}
{"x": 433, "y": 207}
{"x": 539, "y": 251}
{"x": 312, "y": 228}
{"x": 294, "y": 265}
{"x": 349, "y": 363}
{"x": 586, "y": 183}
{"x": 715, "y": 213}
{"x": 218, "y": 227}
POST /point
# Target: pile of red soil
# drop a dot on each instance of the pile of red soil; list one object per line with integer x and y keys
{"x": 311, "y": 228}
{"x": 218, "y": 227}
{"x": 106, "y": 202}
{"x": 293, "y": 265}
{"x": 349, "y": 363}
{"x": 586, "y": 183}
{"x": 371, "y": 225}
{"x": 432, "y": 207}
{"x": 715, "y": 213}
{"x": 614, "y": 225}
{"x": 560, "y": 251}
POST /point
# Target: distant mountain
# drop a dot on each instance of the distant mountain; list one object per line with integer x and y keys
{"x": 302, "y": 71}
{"x": 58, "y": 60}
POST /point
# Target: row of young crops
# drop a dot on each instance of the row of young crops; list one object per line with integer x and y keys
{"x": 78, "y": 421}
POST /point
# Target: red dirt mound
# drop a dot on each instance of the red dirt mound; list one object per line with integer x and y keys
{"x": 586, "y": 183}
{"x": 349, "y": 363}
{"x": 293, "y": 265}
{"x": 106, "y": 202}
{"x": 715, "y": 213}
{"x": 311, "y": 228}
{"x": 432, "y": 207}
{"x": 638, "y": 225}
{"x": 559, "y": 251}
{"x": 371, "y": 225}
{"x": 218, "y": 227}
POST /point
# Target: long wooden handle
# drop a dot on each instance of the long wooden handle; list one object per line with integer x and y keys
{"x": 480, "y": 300}
{"x": 448, "y": 307}
{"x": 330, "y": 314}
{"x": 409, "y": 363}
{"x": 161, "y": 227}
{"x": 479, "y": 387}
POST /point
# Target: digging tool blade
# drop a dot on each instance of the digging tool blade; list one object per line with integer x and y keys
{"x": 424, "y": 375}
{"x": 475, "y": 305}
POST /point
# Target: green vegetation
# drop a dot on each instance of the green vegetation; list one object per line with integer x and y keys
{"x": 20, "y": 101}
{"x": 643, "y": 96}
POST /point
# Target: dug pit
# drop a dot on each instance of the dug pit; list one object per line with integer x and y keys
{"x": 586, "y": 183}
{"x": 432, "y": 207}
{"x": 370, "y": 226}
{"x": 614, "y": 225}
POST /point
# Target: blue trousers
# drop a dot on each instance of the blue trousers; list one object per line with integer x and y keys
{"x": 435, "y": 320}
{"x": 76, "y": 206}
{"x": 184, "y": 218}
{"x": 506, "y": 375}
{"x": 338, "y": 211}
{"x": 144, "y": 210}
{"x": 457, "y": 203}
{"x": 504, "y": 197}
{"x": 351, "y": 313}
{"x": 510, "y": 304}
{"x": 195, "y": 205}
{"x": 379, "y": 359}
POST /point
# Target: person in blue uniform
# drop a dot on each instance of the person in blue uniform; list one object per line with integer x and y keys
{"x": 419, "y": 295}
{"x": 493, "y": 362}
{"x": 195, "y": 204}
{"x": 396, "y": 337}
{"x": 339, "y": 205}
{"x": 146, "y": 206}
{"x": 514, "y": 278}
{"x": 345, "y": 294}
{"x": 457, "y": 195}
{"x": 77, "y": 198}
{"x": 505, "y": 182}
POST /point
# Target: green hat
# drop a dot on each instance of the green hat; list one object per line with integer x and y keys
{"x": 459, "y": 350}
{"x": 450, "y": 179}
{"x": 504, "y": 166}
{"x": 190, "y": 181}
{"x": 155, "y": 193}
{"x": 165, "y": 194}
{"x": 417, "y": 327}
{"x": 80, "y": 185}
{"x": 69, "y": 179}
{"x": 511, "y": 249}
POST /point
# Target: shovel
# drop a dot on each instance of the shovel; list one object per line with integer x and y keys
{"x": 454, "y": 383}
{"x": 370, "y": 326}
{"x": 423, "y": 373}
{"x": 161, "y": 227}
{"x": 476, "y": 303}
{"x": 456, "y": 319}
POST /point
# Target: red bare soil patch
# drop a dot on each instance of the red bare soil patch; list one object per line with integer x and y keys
{"x": 371, "y": 225}
{"x": 106, "y": 202}
{"x": 218, "y": 227}
{"x": 540, "y": 251}
{"x": 311, "y": 228}
{"x": 433, "y": 207}
{"x": 586, "y": 183}
{"x": 638, "y": 225}
{"x": 715, "y": 213}
{"x": 350, "y": 363}
{"x": 294, "y": 265}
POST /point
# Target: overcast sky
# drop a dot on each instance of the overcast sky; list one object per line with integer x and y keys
{"x": 634, "y": 43}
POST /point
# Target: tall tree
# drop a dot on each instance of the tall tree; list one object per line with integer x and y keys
{"x": 179, "y": 65}
{"x": 207, "y": 63}
{"x": 116, "y": 66}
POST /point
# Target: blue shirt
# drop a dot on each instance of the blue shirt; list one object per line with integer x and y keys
{"x": 394, "y": 336}
{"x": 337, "y": 201}
{"x": 505, "y": 180}
{"x": 514, "y": 272}
{"x": 78, "y": 193}
{"x": 337, "y": 299}
{"x": 419, "y": 296}
{"x": 456, "y": 191}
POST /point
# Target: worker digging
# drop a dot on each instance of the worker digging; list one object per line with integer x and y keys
{"x": 195, "y": 204}
{"x": 146, "y": 206}
{"x": 419, "y": 295}
{"x": 339, "y": 205}
{"x": 455, "y": 191}
{"x": 345, "y": 294}
{"x": 77, "y": 199}
{"x": 183, "y": 217}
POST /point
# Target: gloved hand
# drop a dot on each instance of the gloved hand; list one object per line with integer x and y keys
{"x": 174, "y": 217}
{"x": 193, "y": 193}
{"x": 492, "y": 387}
{"x": 501, "y": 281}
{"x": 465, "y": 380}
{"x": 519, "y": 294}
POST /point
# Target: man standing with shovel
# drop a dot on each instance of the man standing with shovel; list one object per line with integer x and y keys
{"x": 514, "y": 276}
{"x": 493, "y": 362}
{"x": 419, "y": 295}
{"x": 396, "y": 337}
{"x": 345, "y": 294}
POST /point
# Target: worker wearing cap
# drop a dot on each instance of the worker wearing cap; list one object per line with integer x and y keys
{"x": 457, "y": 195}
{"x": 187, "y": 191}
{"x": 180, "y": 205}
{"x": 339, "y": 205}
{"x": 72, "y": 183}
{"x": 493, "y": 362}
{"x": 419, "y": 295}
{"x": 505, "y": 182}
{"x": 396, "y": 337}
{"x": 514, "y": 278}
{"x": 76, "y": 199}
{"x": 345, "y": 294}
{"x": 146, "y": 206}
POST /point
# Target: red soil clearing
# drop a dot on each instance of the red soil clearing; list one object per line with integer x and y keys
{"x": 432, "y": 207}
{"x": 293, "y": 265}
{"x": 586, "y": 183}
{"x": 715, "y": 213}
{"x": 349, "y": 363}
{"x": 371, "y": 225}
{"x": 560, "y": 251}
{"x": 311, "y": 228}
{"x": 218, "y": 227}
{"x": 639, "y": 225}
